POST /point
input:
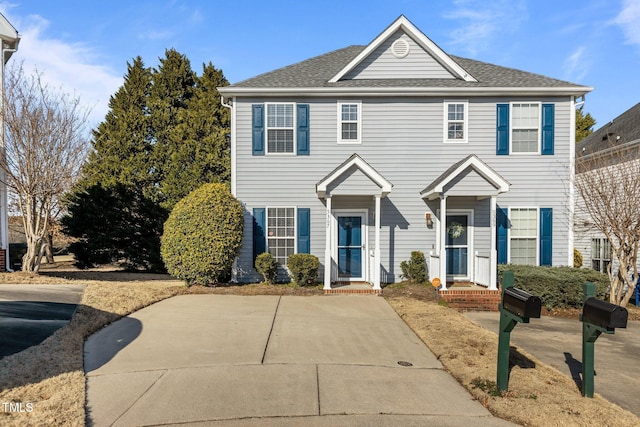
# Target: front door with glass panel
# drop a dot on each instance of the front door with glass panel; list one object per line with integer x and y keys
{"x": 351, "y": 247}
{"x": 457, "y": 245}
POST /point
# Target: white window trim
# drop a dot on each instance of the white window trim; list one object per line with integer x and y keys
{"x": 600, "y": 256}
{"x": 511, "y": 128}
{"x": 537, "y": 209}
{"x": 267, "y": 128}
{"x": 445, "y": 117}
{"x": 295, "y": 227}
{"x": 339, "y": 122}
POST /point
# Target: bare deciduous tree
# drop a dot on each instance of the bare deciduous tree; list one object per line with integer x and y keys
{"x": 45, "y": 146}
{"x": 608, "y": 187}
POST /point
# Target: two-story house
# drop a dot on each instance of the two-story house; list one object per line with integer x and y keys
{"x": 367, "y": 153}
{"x": 9, "y": 38}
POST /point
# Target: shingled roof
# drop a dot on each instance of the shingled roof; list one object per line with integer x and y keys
{"x": 624, "y": 129}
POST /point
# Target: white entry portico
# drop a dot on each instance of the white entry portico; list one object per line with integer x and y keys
{"x": 347, "y": 247}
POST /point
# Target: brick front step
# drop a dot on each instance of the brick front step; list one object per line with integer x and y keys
{"x": 472, "y": 300}
{"x": 347, "y": 291}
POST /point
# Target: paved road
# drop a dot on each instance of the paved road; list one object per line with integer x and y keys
{"x": 270, "y": 361}
{"x": 31, "y": 313}
{"x": 558, "y": 343}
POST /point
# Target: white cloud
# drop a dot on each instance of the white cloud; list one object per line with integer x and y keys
{"x": 70, "y": 66}
{"x": 481, "y": 21}
{"x": 576, "y": 65}
{"x": 628, "y": 19}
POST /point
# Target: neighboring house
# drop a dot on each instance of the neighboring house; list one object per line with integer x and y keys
{"x": 367, "y": 153}
{"x": 617, "y": 142}
{"x": 10, "y": 40}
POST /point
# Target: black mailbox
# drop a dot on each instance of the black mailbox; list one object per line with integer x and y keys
{"x": 521, "y": 303}
{"x": 604, "y": 314}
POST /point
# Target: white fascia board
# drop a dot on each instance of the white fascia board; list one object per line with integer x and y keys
{"x": 406, "y": 91}
{"x": 404, "y": 24}
{"x": 379, "y": 180}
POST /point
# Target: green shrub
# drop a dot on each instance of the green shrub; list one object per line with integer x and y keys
{"x": 267, "y": 265}
{"x": 415, "y": 269}
{"x": 577, "y": 258}
{"x": 557, "y": 287}
{"x": 303, "y": 269}
{"x": 203, "y": 235}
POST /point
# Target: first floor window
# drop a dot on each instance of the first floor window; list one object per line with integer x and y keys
{"x": 280, "y": 128}
{"x": 524, "y": 236}
{"x": 281, "y": 232}
{"x": 600, "y": 255}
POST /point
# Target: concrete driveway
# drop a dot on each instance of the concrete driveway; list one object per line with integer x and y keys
{"x": 212, "y": 360}
{"x": 558, "y": 343}
{"x": 31, "y": 313}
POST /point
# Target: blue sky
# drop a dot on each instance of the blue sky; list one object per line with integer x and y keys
{"x": 84, "y": 46}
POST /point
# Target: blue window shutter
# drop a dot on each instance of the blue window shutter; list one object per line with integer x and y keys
{"x": 259, "y": 242}
{"x": 302, "y": 114}
{"x": 502, "y": 223}
{"x": 546, "y": 231}
{"x": 304, "y": 230}
{"x": 502, "y": 129}
{"x": 548, "y": 119}
{"x": 257, "y": 125}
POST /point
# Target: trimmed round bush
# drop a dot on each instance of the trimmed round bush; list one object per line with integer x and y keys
{"x": 414, "y": 270}
{"x": 267, "y": 265}
{"x": 303, "y": 268}
{"x": 203, "y": 235}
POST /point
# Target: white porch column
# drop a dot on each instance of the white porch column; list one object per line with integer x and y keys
{"x": 327, "y": 247}
{"x": 376, "y": 257}
{"x": 493, "y": 257}
{"x": 443, "y": 242}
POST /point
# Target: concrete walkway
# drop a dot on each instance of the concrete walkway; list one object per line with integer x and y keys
{"x": 31, "y": 313}
{"x": 211, "y": 360}
{"x": 558, "y": 343}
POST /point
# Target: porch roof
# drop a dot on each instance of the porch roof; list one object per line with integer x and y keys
{"x": 439, "y": 185}
{"x": 354, "y": 162}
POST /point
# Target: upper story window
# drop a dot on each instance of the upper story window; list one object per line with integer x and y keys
{"x": 455, "y": 121}
{"x": 280, "y": 128}
{"x": 525, "y": 128}
{"x": 349, "y": 122}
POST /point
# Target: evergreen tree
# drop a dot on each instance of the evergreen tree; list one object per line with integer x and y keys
{"x": 584, "y": 125}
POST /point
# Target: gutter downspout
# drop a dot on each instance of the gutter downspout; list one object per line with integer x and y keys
{"x": 4, "y": 200}
{"x": 232, "y": 152}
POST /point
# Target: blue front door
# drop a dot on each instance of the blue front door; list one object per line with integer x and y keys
{"x": 457, "y": 241}
{"x": 350, "y": 247}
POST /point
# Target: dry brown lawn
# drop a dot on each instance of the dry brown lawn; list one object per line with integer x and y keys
{"x": 50, "y": 376}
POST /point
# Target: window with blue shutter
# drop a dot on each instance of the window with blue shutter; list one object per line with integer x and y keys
{"x": 302, "y": 113}
{"x": 304, "y": 230}
{"x": 548, "y": 119}
{"x": 546, "y": 232}
{"x": 502, "y": 129}
{"x": 502, "y": 224}
{"x": 259, "y": 237}
{"x": 257, "y": 125}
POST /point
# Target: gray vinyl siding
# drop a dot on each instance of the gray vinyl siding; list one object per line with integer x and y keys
{"x": 353, "y": 183}
{"x": 418, "y": 64}
{"x": 402, "y": 139}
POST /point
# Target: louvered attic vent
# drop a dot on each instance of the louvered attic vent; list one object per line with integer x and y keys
{"x": 400, "y": 48}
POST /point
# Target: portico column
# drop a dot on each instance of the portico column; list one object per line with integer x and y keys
{"x": 443, "y": 242}
{"x": 376, "y": 257}
{"x": 493, "y": 263}
{"x": 327, "y": 247}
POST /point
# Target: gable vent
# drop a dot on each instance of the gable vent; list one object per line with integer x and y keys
{"x": 400, "y": 48}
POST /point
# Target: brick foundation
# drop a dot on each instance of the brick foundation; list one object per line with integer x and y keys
{"x": 472, "y": 300}
{"x": 3, "y": 260}
{"x": 352, "y": 291}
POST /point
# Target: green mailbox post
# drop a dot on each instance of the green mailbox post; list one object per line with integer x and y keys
{"x": 597, "y": 317}
{"x": 517, "y": 306}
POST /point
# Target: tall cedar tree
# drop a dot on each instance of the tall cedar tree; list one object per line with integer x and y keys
{"x": 584, "y": 124}
{"x": 166, "y": 134}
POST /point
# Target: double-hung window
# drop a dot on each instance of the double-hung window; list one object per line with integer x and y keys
{"x": 455, "y": 121}
{"x": 281, "y": 233}
{"x": 349, "y": 122}
{"x": 600, "y": 254}
{"x": 523, "y": 236}
{"x": 280, "y": 128}
{"x": 525, "y": 128}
